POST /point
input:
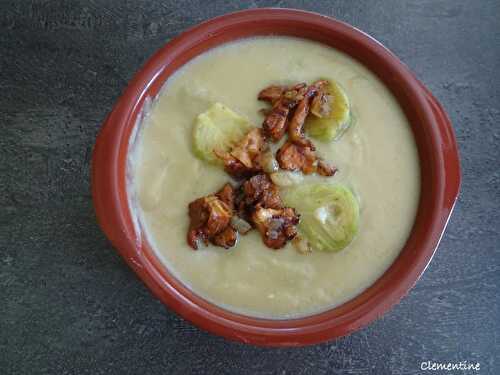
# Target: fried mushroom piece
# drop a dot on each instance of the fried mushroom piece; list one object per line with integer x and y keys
{"x": 320, "y": 85}
{"x": 271, "y": 94}
{"x": 284, "y": 100}
{"x": 325, "y": 169}
{"x": 233, "y": 166}
{"x": 295, "y": 129}
{"x": 260, "y": 203}
{"x": 294, "y": 157}
{"x": 258, "y": 191}
{"x": 226, "y": 194}
{"x": 227, "y": 238}
{"x": 276, "y": 226}
{"x": 244, "y": 158}
{"x": 275, "y": 124}
{"x": 213, "y": 218}
{"x": 249, "y": 148}
{"x": 210, "y": 219}
{"x": 295, "y": 93}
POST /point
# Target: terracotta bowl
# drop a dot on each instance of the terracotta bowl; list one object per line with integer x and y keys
{"x": 439, "y": 164}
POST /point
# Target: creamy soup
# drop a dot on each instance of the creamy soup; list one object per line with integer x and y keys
{"x": 376, "y": 158}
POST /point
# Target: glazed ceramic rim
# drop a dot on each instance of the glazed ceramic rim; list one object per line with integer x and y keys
{"x": 440, "y": 177}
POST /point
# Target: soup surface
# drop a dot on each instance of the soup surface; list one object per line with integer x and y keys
{"x": 376, "y": 158}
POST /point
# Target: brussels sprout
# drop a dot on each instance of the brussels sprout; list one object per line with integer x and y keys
{"x": 218, "y": 128}
{"x": 330, "y": 124}
{"x": 329, "y": 214}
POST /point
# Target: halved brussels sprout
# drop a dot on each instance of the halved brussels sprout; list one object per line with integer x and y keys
{"x": 329, "y": 214}
{"x": 217, "y": 128}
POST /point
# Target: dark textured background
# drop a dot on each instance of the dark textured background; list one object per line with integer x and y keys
{"x": 69, "y": 304}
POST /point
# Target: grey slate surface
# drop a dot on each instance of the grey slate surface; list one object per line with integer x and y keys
{"x": 69, "y": 304}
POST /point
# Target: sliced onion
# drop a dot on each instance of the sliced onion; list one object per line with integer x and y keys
{"x": 302, "y": 245}
{"x": 286, "y": 178}
{"x": 242, "y": 226}
{"x": 269, "y": 162}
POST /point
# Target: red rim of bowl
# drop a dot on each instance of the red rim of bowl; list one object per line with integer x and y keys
{"x": 439, "y": 164}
